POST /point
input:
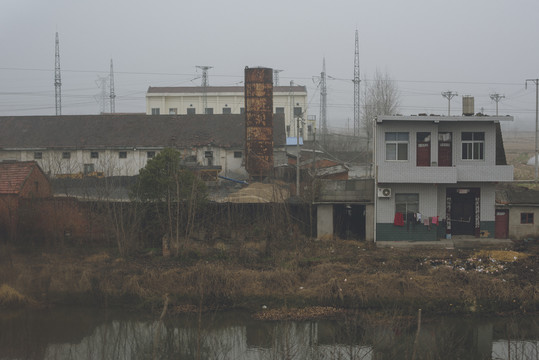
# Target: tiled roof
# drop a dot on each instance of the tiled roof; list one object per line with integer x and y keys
{"x": 13, "y": 175}
{"x": 516, "y": 195}
{"x": 128, "y": 131}
{"x": 215, "y": 89}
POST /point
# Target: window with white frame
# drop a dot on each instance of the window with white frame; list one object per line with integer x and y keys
{"x": 406, "y": 204}
{"x": 396, "y": 145}
{"x": 173, "y": 111}
{"x": 473, "y": 145}
{"x": 156, "y": 111}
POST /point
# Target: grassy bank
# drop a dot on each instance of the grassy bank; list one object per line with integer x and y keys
{"x": 291, "y": 273}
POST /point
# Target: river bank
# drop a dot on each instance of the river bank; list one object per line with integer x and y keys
{"x": 257, "y": 275}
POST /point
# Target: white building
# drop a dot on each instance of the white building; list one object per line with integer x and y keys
{"x": 436, "y": 176}
{"x": 288, "y": 100}
{"x": 120, "y": 145}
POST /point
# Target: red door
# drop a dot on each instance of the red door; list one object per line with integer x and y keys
{"x": 423, "y": 149}
{"x": 502, "y": 224}
{"x": 445, "y": 153}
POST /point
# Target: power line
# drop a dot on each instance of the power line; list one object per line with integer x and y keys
{"x": 449, "y": 95}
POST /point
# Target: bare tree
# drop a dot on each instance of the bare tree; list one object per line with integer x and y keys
{"x": 381, "y": 98}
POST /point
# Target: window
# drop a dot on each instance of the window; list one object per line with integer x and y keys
{"x": 88, "y": 168}
{"x": 526, "y": 218}
{"x": 473, "y": 145}
{"x": 279, "y": 110}
{"x": 156, "y": 111}
{"x": 94, "y": 155}
{"x": 287, "y": 130}
{"x": 309, "y": 129}
{"x": 66, "y": 155}
{"x": 208, "y": 154}
{"x": 150, "y": 154}
{"x": 208, "y": 111}
{"x": 173, "y": 111}
{"x": 406, "y": 204}
{"x": 238, "y": 154}
{"x": 297, "y": 111}
{"x": 38, "y": 155}
{"x": 122, "y": 154}
{"x": 191, "y": 111}
{"x": 396, "y": 145}
{"x": 242, "y": 110}
{"x": 227, "y": 110}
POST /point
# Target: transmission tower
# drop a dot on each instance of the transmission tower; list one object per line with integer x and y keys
{"x": 276, "y": 77}
{"x": 449, "y": 95}
{"x": 57, "y": 78}
{"x": 357, "y": 81}
{"x": 112, "y": 95}
{"x": 205, "y": 84}
{"x": 323, "y": 102}
{"x": 101, "y": 83}
{"x": 496, "y": 97}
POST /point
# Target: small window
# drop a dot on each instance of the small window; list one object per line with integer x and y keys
{"x": 396, "y": 145}
{"x": 191, "y": 111}
{"x": 227, "y": 110}
{"x": 242, "y": 110}
{"x": 94, "y": 155}
{"x": 66, "y": 155}
{"x": 88, "y": 168}
{"x": 38, "y": 155}
{"x": 156, "y": 111}
{"x": 208, "y": 154}
{"x": 309, "y": 129}
{"x": 238, "y": 154}
{"x": 208, "y": 111}
{"x": 287, "y": 130}
{"x": 173, "y": 111}
{"x": 150, "y": 154}
{"x": 526, "y": 218}
{"x": 406, "y": 204}
{"x": 279, "y": 110}
{"x": 473, "y": 145}
{"x": 122, "y": 154}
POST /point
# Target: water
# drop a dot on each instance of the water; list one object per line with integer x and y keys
{"x": 77, "y": 333}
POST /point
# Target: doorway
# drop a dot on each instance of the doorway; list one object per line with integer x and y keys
{"x": 349, "y": 221}
{"x": 463, "y": 217}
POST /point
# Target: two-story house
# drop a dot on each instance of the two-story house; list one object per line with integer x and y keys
{"x": 436, "y": 176}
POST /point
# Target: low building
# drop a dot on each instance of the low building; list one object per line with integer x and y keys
{"x": 19, "y": 180}
{"x": 517, "y": 212}
{"x": 120, "y": 145}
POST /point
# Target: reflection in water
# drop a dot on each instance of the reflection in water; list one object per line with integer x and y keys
{"x": 94, "y": 334}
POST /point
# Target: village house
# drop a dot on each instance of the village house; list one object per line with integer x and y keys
{"x": 290, "y": 101}
{"x": 19, "y": 180}
{"x": 120, "y": 145}
{"x": 517, "y": 212}
{"x": 437, "y": 176}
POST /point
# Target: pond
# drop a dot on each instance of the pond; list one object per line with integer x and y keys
{"x": 88, "y": 333}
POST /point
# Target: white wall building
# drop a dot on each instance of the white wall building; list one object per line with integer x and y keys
{"x": 288, "y": 100}
{"x": 436, "y": 176}
{"x": 120, "y": 145}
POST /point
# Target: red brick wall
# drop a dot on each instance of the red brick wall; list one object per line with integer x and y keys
{"x": 36, "y": 185}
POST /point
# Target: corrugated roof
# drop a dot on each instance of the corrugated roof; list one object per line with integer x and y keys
{"x": 128, "y": 131}
{"x": 13, "y": 176}
{"x": 215, "y": 89}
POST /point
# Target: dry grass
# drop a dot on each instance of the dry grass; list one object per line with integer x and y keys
{"x": 9, "y": 297}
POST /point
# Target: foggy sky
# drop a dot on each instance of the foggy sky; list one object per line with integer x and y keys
{"x": 473, "y": 47}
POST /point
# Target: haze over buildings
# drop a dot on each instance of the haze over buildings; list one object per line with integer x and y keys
{"x": 475, "y": 48}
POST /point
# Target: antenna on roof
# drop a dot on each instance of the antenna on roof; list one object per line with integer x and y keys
{"x": 276, "y": 77}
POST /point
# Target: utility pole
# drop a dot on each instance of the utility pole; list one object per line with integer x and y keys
{"x": 449, "y": 95}
{"x": 276, "y": 77}
{"x": 112, "y": 95}
{"x": 496, "y": 97}
{"x": 356, "y": 87}
{"x": 101, "y": 83}
{"x": 323, "y": 102}
{"x": 536, "y": 82}
{"x": 205, "y": 84}
{"x": 57, "y": 78}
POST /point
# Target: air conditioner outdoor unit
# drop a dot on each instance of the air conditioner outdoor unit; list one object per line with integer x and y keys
{"x": 384, "y": 192}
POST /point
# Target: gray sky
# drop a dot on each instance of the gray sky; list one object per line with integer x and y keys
{"x": 473, "y": 47}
